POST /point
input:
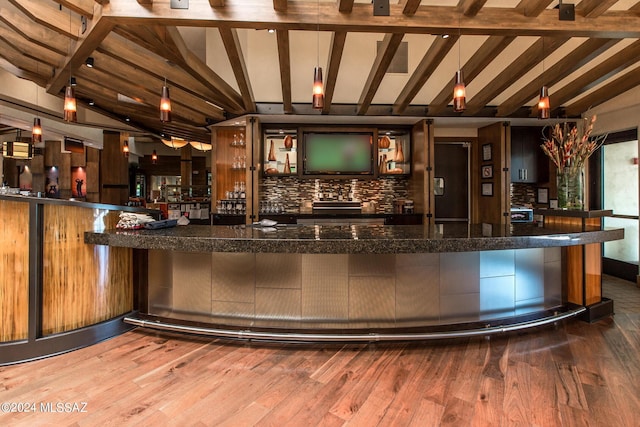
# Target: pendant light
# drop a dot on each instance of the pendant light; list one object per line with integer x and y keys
{"x": 125, "y": 148}
{"x": 165, "y": 104}
{"x": 70, "y": 107}
{"x": 154, "y": 157}
{"x": 459, "y": 89}
{"x": 36, "y": 131}
{"x": 544, "y": 106}
{"x": 318, "y": 89}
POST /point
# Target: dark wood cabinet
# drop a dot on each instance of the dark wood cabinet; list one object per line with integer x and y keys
{"x": 529, "y": 164}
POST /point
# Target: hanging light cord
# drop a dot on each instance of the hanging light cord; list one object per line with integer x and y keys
{"x": 318, "y": 33}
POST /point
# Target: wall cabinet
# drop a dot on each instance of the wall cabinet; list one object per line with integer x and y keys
{"x": 529, "y": 164}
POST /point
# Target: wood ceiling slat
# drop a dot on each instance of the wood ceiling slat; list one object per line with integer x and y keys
{"x": 37, "y": 34}
{"x": 49, "y": 15}
{"x": 216, "y": 3}
{"x": 345, "y": 6}
{"x": 596, "y": 75}
{"x": 567, "y": 65}
{"x": 258, "y": 14}
{"x": 410, "y": 7}
{"x": 30, "y": 49}
{"x": 533, "y": 8}
{"x": 518, "y": 68}
{"x": 434, "y": 56}
{"x": 594, "y": 8}
{"x": 136, "y": 56}
{"x": 145, "y": 2}
{"x": 236, "y": 58}
{"x": 489, "y": 50}
{"x": 385, "y": 55}
{"x": 19, "y": 72}
{"x": 335, "y": 57}
{"x": 284, "y": 60}
{"x": 470, "y": 8}
{"x": 30, "y": 67}
{"x": 635, "y": 8}
{"x": 617, "y": 87}
{"x": 81, "y": 7}
{"x": 280, "y": 5}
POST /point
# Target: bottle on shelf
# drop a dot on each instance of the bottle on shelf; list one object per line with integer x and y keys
{"x": 340, "y": 196}
{"x": 287, "y": 165}
{"x": 272, "y": 153}
{"x": 399, "y": 153}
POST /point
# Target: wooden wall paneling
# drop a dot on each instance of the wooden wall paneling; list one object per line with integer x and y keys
{"x": 82, "y": 284}
{"x": 421, "y": 180}
{"x": 573, "y": 273}
{"x": 114, "y": 169}
{"x": 489, "y": 209}
{"x": 10, "y": 172}
{"x": 64, "y": 176}
{"x": 78, "y": 159}
{"x": 93, "y": 154}
{"x": 253, "y": 135}
{"x": 14, "y": 270}
{"x": 226, "y": 175}
{"x": 593, "y": 273}
{"x": 214, "y": 168}
{"x": 186, "y": 168}
{"x": 52, "y": 153}
{"x": 37, "y": 171}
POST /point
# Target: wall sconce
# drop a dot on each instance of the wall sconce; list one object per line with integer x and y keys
{"x": 89, "y": 62}
{"x": 165, "y": 104}
{"x": 125, "y": 148}
{"x": 154, "y": 157}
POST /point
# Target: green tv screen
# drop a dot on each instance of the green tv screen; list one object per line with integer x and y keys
{"x": 338, "y": 153}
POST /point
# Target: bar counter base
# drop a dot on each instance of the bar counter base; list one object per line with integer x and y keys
{"x": 317, "y": 336}
{"x": 598, "y": 311}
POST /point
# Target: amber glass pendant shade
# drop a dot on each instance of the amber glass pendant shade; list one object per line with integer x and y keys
{"x": 544, "y": 107}
{"x": 36, "y": 131}
{"x": 70, "y": 109}
{"x": 154, "y": 157}
{"x": 318, "y": 90}
{"x": 165, "y": 105}
{"x": 125, "y": 148}
{"x": 459, "y": 93}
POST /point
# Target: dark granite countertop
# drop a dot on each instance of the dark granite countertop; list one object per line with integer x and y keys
{"x": 335, "y": 239}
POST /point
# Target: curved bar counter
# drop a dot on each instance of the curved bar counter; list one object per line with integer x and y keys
{"x": 354, "y": 283}
{"x": 57, "y": 292}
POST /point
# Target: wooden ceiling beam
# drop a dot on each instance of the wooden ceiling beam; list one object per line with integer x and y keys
{"x": 533, "y": 8}
{"x": 284, "y": 60}
{"x": 238, "y": 65}
{"x": 280, "y": 5}
{"x": 258, "y": 14}
{"x": 81, "y": 7}
{"x": 345, "y": 6}
{"x": 216, "y": 3}
{"x": 470, "y": 8}
{"x": 605, "y": 93}
{"x": 410, "y": 7}
{"x": 434, "y": 56}
{"x": 19, "y": 72}
{"x": 335, "y": 57}
{"x": 594, "y": 8}
{"x": 596, "y": 75}
{"x": 489, "y": 50}
{"x": 49, "y": 15}
{"x": 567, "y": 65}
{"x": 30, "y": 67}
{"x": 385, "y": 55}
{"x": 48, "y": 57}
{"x": 519, "y": 67}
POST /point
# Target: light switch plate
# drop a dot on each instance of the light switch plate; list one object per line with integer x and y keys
{"x": 179, "y": 4}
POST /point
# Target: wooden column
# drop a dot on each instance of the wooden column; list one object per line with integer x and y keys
{"x": 114, "y": 169}
{"x": 186, "y": 168}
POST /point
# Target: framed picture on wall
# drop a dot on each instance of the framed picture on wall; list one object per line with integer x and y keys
{"x": 543, "y": 195}
{"x": 487, "y": 171}
{"x": 486, "y": 152}
{"x": 487, "y": 188}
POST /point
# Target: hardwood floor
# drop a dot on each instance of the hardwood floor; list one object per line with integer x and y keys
{"x": 570, "y": 374}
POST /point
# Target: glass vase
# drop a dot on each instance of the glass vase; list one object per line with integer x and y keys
{"x": 570, "y": 188}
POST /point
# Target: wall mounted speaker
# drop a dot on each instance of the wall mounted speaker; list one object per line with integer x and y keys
{"x": 567, "y": 12}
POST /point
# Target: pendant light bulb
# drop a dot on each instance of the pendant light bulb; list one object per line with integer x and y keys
{"x": 165, "y": 105}
{"x": 544, "y": 107}
{"x": 70, "y": 109}
{"x": 36, "y": 131}
{"x": 318, "y": 89}
{"x": 459, "y": 93}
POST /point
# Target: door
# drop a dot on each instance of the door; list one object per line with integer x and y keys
{"x": 451, "y": 181}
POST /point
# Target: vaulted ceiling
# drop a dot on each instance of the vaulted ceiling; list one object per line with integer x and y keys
{"x": 227, "y": 58}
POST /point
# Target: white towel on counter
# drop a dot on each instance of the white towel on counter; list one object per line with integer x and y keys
{"x": 132, "y": 220}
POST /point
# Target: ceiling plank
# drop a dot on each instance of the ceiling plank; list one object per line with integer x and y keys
{"x": 49, "y": 15}
{"x": 635, "y": 8}
{"x": 385, "y": 55}
{"x": 567, "y": 65}
{"x": 489, "y": 50}
{"x": 519, "y": 67}
{"x": 199, "y": 70}
{"x": 42, "y": 36}
{"x": 335, "y": 57}
{"x": 594, "y": 8}
{"x": 470, "y": 8}
{"x": 236, "y": 58}
{"x": 146, "y": 2}
{"x": 434, "y": 56}
{"x": 596, "y": 75}
{"x": 410, "y": 7}
{"x": 280, "y": 5}
{"x": 8, "y": 66}
{"x": 345, "y": 6}
{"x": 610, "y": 90}
{"x": 216, "y": 3}
{"x": 29, "y": 66}
{"x": 30, "y": 49}
{"x": 258, "y": 14}
{"x": 533, "y": 8}
{"x": 89, "y": 41}
{"x": 284, "y": 58}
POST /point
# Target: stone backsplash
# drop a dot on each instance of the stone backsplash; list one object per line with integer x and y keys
{"x": 293, "y": 192}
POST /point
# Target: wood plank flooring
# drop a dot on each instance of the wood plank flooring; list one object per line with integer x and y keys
{"x": 569, "y": 374}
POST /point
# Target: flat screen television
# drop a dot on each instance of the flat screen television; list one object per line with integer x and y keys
{"x": 337, "y": 153}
